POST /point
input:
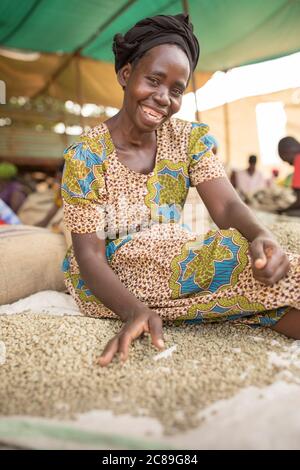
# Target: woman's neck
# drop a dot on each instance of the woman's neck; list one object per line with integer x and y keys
{"x": 125, "y": 132}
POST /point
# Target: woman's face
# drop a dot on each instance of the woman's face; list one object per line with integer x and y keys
{"x": 155, "y": 85}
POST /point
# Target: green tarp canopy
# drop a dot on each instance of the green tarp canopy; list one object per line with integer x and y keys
{"x": 231, "y": 33}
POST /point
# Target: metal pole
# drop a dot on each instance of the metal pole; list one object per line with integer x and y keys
{"x": 227, "y": 134}
{"x": 226, "y": 127}
{"x": 79, "y": 85}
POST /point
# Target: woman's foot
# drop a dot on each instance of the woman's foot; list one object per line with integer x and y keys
{"x": 289, "y": 324}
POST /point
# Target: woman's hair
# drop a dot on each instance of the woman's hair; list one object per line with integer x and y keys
{"x": 152, "y": 32}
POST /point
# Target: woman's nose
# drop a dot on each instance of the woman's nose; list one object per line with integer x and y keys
{"x": 162, "y": 97}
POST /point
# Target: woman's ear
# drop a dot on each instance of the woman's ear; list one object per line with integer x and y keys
{"x": 124, "y": 74}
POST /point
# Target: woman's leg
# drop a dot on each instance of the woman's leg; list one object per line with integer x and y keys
{"x": 289, "y": 324}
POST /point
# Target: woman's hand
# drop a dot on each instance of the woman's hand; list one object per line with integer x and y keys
{"x": 146, "y": 321}
{"x": 269, "y": 262}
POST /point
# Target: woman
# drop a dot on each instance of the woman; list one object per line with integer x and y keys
{"x": 137, "y": 167}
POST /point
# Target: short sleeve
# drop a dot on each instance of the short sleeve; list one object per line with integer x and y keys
{"x": 83, "y": 188}
{"x": 204, "y": 165}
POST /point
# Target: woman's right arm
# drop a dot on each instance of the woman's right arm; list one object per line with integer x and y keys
{"x": 90, "y": 254}
{"x": 89, "y": 251}
{"x": 84, "y": 195}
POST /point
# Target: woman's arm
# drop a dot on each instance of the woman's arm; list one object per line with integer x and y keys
{"x": 228, "y": 210}
{"x": 84, "y": 196}
{"x": 90, "y": 254}
{"x": 89, "y": 251}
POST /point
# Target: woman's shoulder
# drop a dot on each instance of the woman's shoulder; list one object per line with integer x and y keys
{"x": 92, "y": 148}
{"x": 96, "y": 132}
{"x": 85, "y": 165}
{"x": 178, "y": 126}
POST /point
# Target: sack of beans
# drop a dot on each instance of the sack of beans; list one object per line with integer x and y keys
{"x": 36, "y": 206}
{"x": 30, "y": 261}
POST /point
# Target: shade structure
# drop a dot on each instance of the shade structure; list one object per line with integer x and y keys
{"x": 72, "y": 36}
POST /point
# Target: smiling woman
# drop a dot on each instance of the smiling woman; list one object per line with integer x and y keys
{"x": 124, "y": 186}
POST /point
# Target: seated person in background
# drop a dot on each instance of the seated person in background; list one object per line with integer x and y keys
{"x": 12, "y": 192}
{"x": 248, "y": 182}
{"x": 274, "y": 177}
{"x": 289, "y": 151}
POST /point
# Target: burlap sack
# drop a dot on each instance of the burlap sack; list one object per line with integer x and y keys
{"x": 30, "y": 261}
{"x": 36, "y": 207}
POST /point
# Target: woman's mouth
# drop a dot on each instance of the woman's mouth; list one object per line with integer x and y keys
{"x": 152, "y": 115}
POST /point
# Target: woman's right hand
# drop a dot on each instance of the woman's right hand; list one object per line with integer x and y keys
{"x": 146, "y": 321}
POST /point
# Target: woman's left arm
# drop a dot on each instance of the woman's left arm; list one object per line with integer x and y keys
{"x": 269, "y": 262}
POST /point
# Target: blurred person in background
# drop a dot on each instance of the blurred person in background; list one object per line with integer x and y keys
{"x": 12, "y": 191}
{"x": 249, "y": 181}
{"x": 289, "y": 151}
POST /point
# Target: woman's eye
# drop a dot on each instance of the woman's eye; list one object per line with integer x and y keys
{"x": 177, "y": 92}
{"x": 154, "y": 81}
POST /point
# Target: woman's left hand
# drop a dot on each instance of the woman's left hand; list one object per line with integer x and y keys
{"x": 269, "y": 261}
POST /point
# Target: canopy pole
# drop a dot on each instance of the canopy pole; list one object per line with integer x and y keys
{"x": 78, "y": 86}
{"x": 226, "y": 129}
{"x": 185, "y": 7}
{"x": 227, "y": 135}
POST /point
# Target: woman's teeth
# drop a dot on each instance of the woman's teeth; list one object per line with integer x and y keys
{"x": 154, "y": 115}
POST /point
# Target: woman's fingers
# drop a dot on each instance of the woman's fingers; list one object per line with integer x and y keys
{"x": 109, "y": 351}
{"x": 258, "y": 256}
{"x": 132, "y": 330}
{"x": 274, "y": 271}
{"x": 277, "y": 269}
{"x": 272, "y": 265}
{"x": 124, "y": 345}
{"x": 129, "y": 333}
{"x": 260, "y": 263}
{"x": 156, "y": 331}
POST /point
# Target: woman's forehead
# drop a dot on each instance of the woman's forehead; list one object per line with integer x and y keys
{"x": 163, "y": 57}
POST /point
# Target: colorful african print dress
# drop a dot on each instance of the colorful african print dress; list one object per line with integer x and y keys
{"x": 180, "y": 274}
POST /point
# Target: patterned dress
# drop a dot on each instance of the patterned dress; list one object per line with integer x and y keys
{"x": 182, "y": 275}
